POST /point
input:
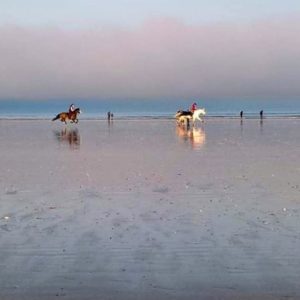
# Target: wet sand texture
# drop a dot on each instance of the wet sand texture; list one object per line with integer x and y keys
{"x": 145, "y": 210}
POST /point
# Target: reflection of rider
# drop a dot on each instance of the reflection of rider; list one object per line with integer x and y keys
{"x": 193, "y": 107}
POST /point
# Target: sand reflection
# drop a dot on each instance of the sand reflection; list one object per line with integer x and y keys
{"x": 194, "y": 136}
{"x": 69, "y": 136}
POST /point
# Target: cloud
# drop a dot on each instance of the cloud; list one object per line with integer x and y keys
{"x": 162, "y": 58}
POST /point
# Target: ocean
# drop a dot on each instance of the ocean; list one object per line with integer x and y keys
{"x": 148, "y": 109}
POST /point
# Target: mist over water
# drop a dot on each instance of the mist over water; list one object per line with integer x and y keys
{"x": 159, "y": 59}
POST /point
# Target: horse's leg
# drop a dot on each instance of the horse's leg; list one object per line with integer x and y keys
{"x": 197, "y": 117}
{"x": 187, "y": 123}
{"x": 194, "y": 119}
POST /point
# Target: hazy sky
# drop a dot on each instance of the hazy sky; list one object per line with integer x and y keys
{"x": 91, "y": 49}
{"x": 85, "y": 13}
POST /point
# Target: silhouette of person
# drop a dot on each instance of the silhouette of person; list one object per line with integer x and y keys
{"x": 261, "y": 113}
{"x": 241, "y": 114}
{"x": 108, "y": 115}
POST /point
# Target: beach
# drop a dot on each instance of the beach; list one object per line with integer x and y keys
{"x": 144, "y": 209}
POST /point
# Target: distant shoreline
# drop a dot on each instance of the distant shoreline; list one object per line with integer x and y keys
{"x": 137, "y": 118}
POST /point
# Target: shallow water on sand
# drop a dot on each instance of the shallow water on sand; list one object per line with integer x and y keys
{"x": 141, "y": 209}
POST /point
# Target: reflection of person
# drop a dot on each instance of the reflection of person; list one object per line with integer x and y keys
{"x": 193, "y": 107}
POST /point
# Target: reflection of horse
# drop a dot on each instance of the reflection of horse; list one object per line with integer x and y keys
{"x": 183, "y": 117}
{"x": 196, "y": 136}
{"x": 70, "y": 136}
{"x": 71, "y": 116}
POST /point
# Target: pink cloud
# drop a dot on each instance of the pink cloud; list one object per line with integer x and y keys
{"x": 162, "y": 58}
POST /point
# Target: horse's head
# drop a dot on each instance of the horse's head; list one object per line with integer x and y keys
{"x": 77, "y": 110}
{"x": 201, "y": 111}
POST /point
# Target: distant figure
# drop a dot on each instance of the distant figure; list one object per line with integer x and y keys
{"x": 193, "y": 107}
{"x": 261, "y": 113}
{"x": 111, "y": 115}
{"x": 241, "y": 114}
{"x": 108, "y": 116}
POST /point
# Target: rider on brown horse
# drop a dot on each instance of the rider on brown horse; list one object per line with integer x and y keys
{"x": 71, "y": 115}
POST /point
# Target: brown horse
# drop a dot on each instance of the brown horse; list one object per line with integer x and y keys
{"x": 71, "y": 116}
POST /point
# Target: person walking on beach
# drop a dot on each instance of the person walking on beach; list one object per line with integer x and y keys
{"x": 108, "y": 116}
{"x": 193, "y": 107}
{"x": 261, "y": 113}
{"x": 241, "y": 114}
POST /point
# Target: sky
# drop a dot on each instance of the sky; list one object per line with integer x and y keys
{"x": 167, "y": 49}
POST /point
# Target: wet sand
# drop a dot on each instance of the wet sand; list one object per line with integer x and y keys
{"x": 143, "y": 209}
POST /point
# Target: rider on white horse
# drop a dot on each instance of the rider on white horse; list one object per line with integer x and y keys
{"x": 192, "y": 114}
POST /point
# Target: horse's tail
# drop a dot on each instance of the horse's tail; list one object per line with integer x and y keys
{"x": 57, "y": 117}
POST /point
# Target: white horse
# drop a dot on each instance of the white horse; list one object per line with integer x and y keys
{"x": 198, "y": 113}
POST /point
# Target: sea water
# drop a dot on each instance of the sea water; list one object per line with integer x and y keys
{"x": 148, "y": 109}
